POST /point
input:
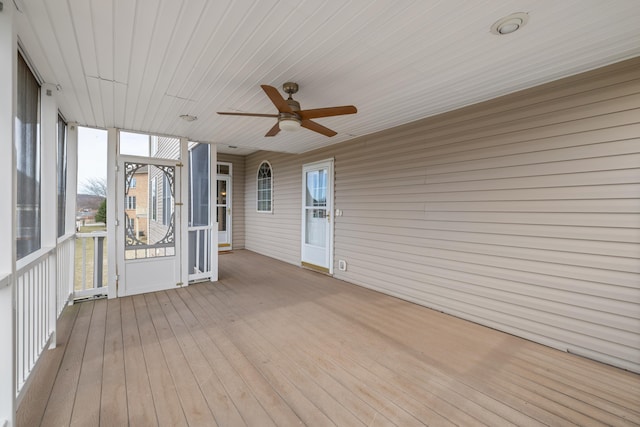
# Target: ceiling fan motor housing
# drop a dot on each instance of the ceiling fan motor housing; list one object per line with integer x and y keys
{"x": 295, "y": 105}
{"x": 290, "y": 87}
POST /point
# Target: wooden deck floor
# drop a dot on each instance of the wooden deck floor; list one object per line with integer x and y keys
{"x": 273, "y": 344}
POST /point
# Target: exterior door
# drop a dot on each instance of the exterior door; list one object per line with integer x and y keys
{"x": 223, "y": 212}
{"x": 149, "y": 218}
{"x": 317, "y": 221}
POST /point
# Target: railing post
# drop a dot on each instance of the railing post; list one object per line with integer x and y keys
{"x": 98, "y": 251}
{"x": 84, "y": 264}
{"x": 52, "y": 289}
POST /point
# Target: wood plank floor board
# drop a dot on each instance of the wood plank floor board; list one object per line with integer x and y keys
{"x": 113, "y": 405}
{"x": 168, "y": 410}
{"x": 618, "y": 388}
{"x": 552, "y": 389}
{"x": 328, "y": 402}
{"x": 333, "y": 374}
{"x": 271, "y": 344}
{"x": 561, "y": 378}
{"x": 85, "y": 410}
{"x": 371, "y": 320}
{"x": 194, "y": 405}
{"x": 435, "y": 406}
{"x": 140, "y": 405}
{"x": 478, "y": 410}
{"x": 246, "y": 389}
{"x": 60, "y": 405}
{"x": 586, "y": 419}
{"x": 221, "y": 406}
{"x": 300, "y": 405}
{"x": 433, "y": 372}
{"x": 597, "y": 407}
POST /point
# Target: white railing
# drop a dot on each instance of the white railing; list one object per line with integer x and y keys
{"x": 200, "y": 252}
{"x": 91, "y": 267}
{"x": 35, "y": 312}
{"x": 66, "y": 271}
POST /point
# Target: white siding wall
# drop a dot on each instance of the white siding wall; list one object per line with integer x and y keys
{"x": 237, "y": 197}
{"x": 521, "y": 213}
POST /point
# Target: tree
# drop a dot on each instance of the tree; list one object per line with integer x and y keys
{"x": 101, "y": 214}
{"x": 95, "y": 186}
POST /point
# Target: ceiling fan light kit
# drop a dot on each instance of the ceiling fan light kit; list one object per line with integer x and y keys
{"x": 291, "y": 117}
{"x": 290, "y": 124}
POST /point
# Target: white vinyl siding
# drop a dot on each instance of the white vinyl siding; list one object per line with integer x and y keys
{"x": 521, "y": 213}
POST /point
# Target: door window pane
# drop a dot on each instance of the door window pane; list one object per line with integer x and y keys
{"x": 316, "y": 226}
{"x": 27, "y": 144}
{"x": 145, "y": 237}
{"x": 316, "y": 188}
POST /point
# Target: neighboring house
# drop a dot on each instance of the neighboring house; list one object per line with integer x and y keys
{"x": 161, "y": 199}
{"x": 136, "y": 203}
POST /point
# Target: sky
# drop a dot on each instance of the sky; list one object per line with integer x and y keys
{"x": 92, "y": 154}
{"x": 92, "y": 151}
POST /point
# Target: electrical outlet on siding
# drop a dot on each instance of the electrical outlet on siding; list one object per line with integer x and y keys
{"x": 342, "y": 265}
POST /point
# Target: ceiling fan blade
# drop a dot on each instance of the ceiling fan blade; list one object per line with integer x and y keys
{"x": 277, "y": 99}
{"x": 317, "y": 128}
{"x": 327, "y": 112}
{"x": 247, "y": 114}
{"x": 274, "y": 130}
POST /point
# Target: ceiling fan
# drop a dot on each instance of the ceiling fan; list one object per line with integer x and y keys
{"x": 291, "y": 117}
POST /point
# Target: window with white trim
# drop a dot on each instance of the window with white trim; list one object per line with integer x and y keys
{"x": 131, "y": 202}
{"x": 264, "y": 187}
{"x": 154, "y": 198}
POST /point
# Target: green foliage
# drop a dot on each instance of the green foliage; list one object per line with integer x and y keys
{"x": 101, "y": 214}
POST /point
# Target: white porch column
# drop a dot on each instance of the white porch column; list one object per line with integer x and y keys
{"x": 49, "y": 190}
{"x": 8, "y": 52}
{"x": 112, "y": 211}
{"x": 213, "y": 197}
{"x": 72, "y": 176}
{"x": 183, "y": 210}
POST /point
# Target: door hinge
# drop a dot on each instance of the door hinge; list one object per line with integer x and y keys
{"x": 179, "y": 203}
{"x": 179, "y": 165}
{"x": 179, "y": 284}
{"x": 117, "y": 168}
{"x": 117, "y": 223}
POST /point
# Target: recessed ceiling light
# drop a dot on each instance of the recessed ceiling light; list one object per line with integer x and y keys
{"x": 188, "y": 117}
{"x": 510, "y": 24}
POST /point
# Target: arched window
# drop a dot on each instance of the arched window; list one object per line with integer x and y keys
{"x": 264, "y": 195}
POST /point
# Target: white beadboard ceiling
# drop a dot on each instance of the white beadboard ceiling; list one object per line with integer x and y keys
{"x": 139, "y": 64}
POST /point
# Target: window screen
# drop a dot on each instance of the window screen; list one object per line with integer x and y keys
{"x": 27, "y": 143}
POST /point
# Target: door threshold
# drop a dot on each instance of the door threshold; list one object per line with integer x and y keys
{"x": 315, "y": 268}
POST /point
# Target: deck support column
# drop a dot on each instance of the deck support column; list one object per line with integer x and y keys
{"x": 8, "y": 61}
{"x": 49, "y": 192}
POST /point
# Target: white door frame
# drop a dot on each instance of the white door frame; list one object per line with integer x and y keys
{"x": 327, "y": 265}
{"x": 228, "y": 211}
